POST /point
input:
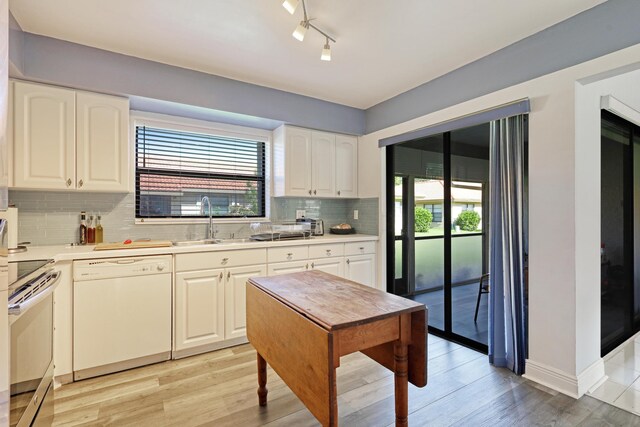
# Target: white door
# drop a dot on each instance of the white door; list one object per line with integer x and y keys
{"x": 44, "y": 137}
{"x": 361, "y": 269}
{"x": 298, "y": 162}
{"x": 323, "y": 166}
{"x": 235, "y": 298}
{"x": 199, "y": 308}
{"x": 333, "y": 266}
{"x": 346, "y": 166}
{"x": 120, "y": 319}
{"x": 287, "y": 267}
{"x": 102, "y": 142}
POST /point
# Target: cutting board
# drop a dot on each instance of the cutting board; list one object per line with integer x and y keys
{"x": 133, "y": 245}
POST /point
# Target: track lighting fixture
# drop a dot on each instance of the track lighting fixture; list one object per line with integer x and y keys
{"x": 326, "y": 52}
{"x": 290, "y": 5}
{"x": 305, "y": 24}
{"x": 301, "y": 30}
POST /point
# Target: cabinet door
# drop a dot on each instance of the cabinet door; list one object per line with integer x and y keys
{"x": 44, "y": 136}
{"x": 298, "y": 162}
{"x": 102, "y": 142}
{"x": 361, "y": 269}
{"x": 235, "y": 324}
{"x": 199, "y": 308}
{"x": 287, "y": 267}
{"x": 323, "y": 164}
{"x": 333, "y": 266}
{"x": 346, "y": 166}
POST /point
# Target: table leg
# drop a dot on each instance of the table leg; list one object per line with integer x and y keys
{"x": 262, "y": 381}
{"x": 401, "y": 382}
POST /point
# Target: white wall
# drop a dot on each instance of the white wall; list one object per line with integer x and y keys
{"x": 561, "y": 350}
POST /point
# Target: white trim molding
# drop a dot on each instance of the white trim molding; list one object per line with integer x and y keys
{"x": 569, "y": 384}
{"x": 619, "y": 108}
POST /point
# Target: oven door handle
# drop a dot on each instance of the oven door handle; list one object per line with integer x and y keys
{"x": 16, "y": 310}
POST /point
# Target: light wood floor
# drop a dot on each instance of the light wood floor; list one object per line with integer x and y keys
{"x": 219, "y": 389}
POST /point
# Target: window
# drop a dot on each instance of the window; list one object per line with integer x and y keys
{"x": 436, "y": 212}
{"x": 176, "y": 168}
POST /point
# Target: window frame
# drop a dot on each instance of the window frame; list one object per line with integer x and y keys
{"x": 162, "y": 121}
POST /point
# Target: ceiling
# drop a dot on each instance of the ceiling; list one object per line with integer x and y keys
{"x": 384, "y": 47}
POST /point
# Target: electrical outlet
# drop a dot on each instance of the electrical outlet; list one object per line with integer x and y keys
{"x": 300, "y": 213}
{"x": 355, "y": 214}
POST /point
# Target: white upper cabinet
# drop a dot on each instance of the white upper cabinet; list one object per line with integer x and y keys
{"x": 44, "y": 136}
{"x": 65, "y": 139}
{"x": 102, "y": 142}
{"x": 323, "y": 166}
{"x": 346, "y": 166}
{"x": 310, "y": 163}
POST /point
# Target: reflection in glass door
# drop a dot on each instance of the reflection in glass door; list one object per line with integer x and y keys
{"x": 440, "y": 214}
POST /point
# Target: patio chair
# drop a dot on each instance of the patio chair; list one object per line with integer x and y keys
{"x": 483, "y": 288}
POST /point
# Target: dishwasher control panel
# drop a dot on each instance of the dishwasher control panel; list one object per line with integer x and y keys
{"x": 108, "y": 268}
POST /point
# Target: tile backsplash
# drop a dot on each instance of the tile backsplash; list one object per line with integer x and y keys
{"x": 49, "y": 218}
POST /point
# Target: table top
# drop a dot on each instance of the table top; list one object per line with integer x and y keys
{"x": 333, "y": 302}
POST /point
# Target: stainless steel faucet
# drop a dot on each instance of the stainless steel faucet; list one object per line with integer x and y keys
{"x": 211, "y": 234}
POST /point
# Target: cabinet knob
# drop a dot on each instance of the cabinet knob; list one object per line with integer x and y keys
{"x": 362, "y": 248}
{"x": 314, "y": 192}
{"x": 348, "y": 262}
{"x": 224, "y": 260}
{"x": 338, "y": 192}
{"x": 306, "y": 267}
{"x": 228, "y": 275}
{"x": 309, "y": 192}
{"x": 221, "y": 275}
{"x": 69, "y": 182}
{"x": 313, "y": 265}
{"x": 80, "y": 183}
{"x": 328, "y": 252}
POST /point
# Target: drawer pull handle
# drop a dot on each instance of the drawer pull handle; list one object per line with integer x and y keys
{"x": 338, "y": 192}
{"x": 80, "y": 183}
{"x": 228, "y": 275}
{"x": 306, "y": 266}
{"x": 309, "y": 192}
{"x": 348, "y": 262}
{"x": 314, "y": 192}
{"x": 328, "y": 251}
{"x": 69, "y": 182}
{"x": 362, "y": 248}
{"x": 221, "y": 275}
{"x": 313, "y": 265}
{"x": 224, "y": 260}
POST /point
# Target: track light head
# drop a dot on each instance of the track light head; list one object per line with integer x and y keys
{"x": 290, "y": 5}
{"x": 326, "y": 52}
{"x": 301, "y": 30}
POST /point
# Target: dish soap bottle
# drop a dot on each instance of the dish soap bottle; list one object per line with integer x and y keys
{"x": 98, "y": 229}
{"x": 91, "y": 231}
{"x": 83, "y": 228}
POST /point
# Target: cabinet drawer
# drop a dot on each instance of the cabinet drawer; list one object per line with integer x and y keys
{"x": 220, "y": 259}
{"x": 359, "y": 248}
{"x": 288, "y": 253}
{"x": 326, "y": 251}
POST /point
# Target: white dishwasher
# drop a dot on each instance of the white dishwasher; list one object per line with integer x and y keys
{"x": 121, "y": 314}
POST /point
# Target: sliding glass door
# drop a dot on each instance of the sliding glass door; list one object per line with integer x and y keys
{"x": 440, "y": 213}
{"x": 620, "y": 231}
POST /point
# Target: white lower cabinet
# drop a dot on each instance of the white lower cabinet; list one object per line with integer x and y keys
{"x": 235, "y": 298}
{"x": 287, "y": 267}
{"x": 199, "y": 312}
{"x": 361, "y": 269}
{"x": 333, "y": 266}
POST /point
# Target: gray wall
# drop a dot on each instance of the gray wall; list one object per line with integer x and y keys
{"x": 603, "y": 29}
{"x": 51, "y": 218}
{"x": 54, "y": 61}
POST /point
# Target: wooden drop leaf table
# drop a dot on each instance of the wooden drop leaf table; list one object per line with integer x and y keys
{"x": 302, "y": 323}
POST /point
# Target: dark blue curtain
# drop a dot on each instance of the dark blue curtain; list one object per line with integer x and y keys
{"x": 507, "y": 321}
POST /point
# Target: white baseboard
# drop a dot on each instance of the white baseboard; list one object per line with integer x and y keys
{"x": 566, "y": 383}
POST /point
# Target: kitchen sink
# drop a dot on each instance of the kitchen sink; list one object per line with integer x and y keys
{"x": 197, "y": 242}
{"x": 245, "y": 240}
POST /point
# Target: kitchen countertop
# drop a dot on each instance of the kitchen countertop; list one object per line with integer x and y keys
{"x": 69, "y": 253}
